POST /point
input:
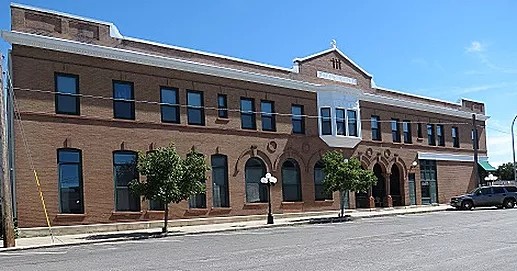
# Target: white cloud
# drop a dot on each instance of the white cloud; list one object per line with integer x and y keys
{"x": 499, "y": 148}
{"x": 475, "y": 47}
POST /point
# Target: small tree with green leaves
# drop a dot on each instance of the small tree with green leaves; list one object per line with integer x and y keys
{"x": 505, "y": 171}
{"x": 345, "y": 175}
{"x": 169, "y": 178}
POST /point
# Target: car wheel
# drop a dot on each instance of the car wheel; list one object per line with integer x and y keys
{"x": 509, "y": 203}
{"x": 467, "y": 205}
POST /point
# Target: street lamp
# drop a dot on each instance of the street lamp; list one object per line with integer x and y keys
{"x": 513, "y": 152}
{"x": 269, "y": 180}
{"x": 491, "y": 178}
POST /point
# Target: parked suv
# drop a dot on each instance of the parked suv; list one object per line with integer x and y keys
{"x": 499, "y": 196}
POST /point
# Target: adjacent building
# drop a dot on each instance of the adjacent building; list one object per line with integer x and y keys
{"x": 90, "y": 98}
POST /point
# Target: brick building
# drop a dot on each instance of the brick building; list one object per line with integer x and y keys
{"x": 90, "y": 98}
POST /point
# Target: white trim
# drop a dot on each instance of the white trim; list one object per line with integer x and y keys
{"x": 209, "y": 54}
{"x": 375, "y": 98}
{"x": 125, "y": 55}
{"x": 113, "y": 29}
{"x": 333, "y": 50}
{"x": 75, "y": 47}
{"x": 416, "y": 95}
{"x": 449, "y": 157}
{"x": 114, "y": 32}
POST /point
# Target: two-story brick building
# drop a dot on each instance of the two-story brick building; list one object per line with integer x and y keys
{"x": 89, "y": 98}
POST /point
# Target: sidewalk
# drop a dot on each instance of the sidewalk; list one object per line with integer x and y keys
{"x": 237, "y": 224}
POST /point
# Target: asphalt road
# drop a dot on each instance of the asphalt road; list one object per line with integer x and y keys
{"x": 452, "y": 240}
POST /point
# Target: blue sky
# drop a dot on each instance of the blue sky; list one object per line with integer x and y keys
{"x": 442, "y": 49}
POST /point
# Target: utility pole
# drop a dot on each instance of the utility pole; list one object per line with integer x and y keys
{"x": 475, "y": 143}
{"x": 513, "y": 152}
{"x": 7, "y": 208}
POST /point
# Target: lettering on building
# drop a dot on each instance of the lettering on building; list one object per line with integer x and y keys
{"x": 337, "y": 78}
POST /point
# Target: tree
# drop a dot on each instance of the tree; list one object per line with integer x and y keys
{"x": 505, "y": 171}
{"x": 345, "y": 175}
{"x": 169, "y": 178}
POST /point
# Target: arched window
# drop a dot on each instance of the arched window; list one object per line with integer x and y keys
{"x": 124, "y": 171}
{"x": 220, "y": 181}
{"x": 255, "y": 190}
{"x": 319, "y": 175}
{"x": 291, "y": 182}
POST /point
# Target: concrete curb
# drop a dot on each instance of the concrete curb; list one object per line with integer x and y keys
{"x": 301, "y": 221}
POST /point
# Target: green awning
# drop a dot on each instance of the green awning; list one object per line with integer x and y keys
{"x": 486, "y": 166}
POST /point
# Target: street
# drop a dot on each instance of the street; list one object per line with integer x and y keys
{"x": 451, "y": 240}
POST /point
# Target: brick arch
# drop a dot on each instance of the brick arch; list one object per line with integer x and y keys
{"x": 251, "y": 153}
{"x": 289, "y": 154}
{"x": 317, "y": 156}
{"x": 400, "y": 164}
{"x": 383, "y": 163}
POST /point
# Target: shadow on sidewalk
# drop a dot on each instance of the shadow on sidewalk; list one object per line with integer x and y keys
{"x": 325, "y": 220}
{"x": 130, "y": 236}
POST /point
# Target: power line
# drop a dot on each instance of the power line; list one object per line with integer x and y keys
{"x": 100, "y": 97}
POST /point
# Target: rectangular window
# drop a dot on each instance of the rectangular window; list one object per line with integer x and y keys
{"x": 340, "y": 122}
{"x": 439, "y": 135}
{"x": 376, "y": 128}
{"x": 406, "y": 128}
{"x": 70, "y": 181}
{"x": 222, "y": 106}
{"x": 326, "y": 121}
{"x": 248, "y": 120}
{"x": 67, "y": 94}
{"x": 395, "y": 130}
{"x": 267, "y": 109}
{"x": 352, "y": 122}
{"x": 195, "y": 110}
{"x": 123, "y": 100}
{"x": 198, "y": 201}
{"x": 124, "y": 171}
{"x": 419, "y": 133}
{"x": 430, "y": 135}
{"x": 220, "y": 194}
{"x": 297, "y": 119}
{"x": 170, "y": 108}
{"x": 455, "y": 137}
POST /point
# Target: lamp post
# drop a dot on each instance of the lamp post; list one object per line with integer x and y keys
{"x": 269, "y": 180}
{"x": 513, "y": 152}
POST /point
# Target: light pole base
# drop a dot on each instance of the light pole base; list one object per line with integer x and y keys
{"x": 270, "y": 219}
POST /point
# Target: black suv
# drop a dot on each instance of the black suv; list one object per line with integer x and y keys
{"x": 499, "y": 196}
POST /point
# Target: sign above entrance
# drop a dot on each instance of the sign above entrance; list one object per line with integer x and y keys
{"x": 337, "y": 78}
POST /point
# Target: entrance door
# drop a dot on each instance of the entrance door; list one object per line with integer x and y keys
{"x": 428, "y": 177}
{"x": 379, "y": 190}
{"x": 412, "y": 189}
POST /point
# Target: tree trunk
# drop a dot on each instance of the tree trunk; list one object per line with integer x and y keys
{"x": 342, "y": 203}
{"x": 165, "y": 218}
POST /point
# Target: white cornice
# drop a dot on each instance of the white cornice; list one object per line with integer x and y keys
{"x": 375, "y": 98}
{"x": 448, "y": 157}
{"x": 75, "y": 47}
{"x": 131, "y": 56}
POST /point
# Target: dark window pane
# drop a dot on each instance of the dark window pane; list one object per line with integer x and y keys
{"x": 406, "y": 127}
{"x": 169, "y": 96}
{"x": 291, "y": 183}
{"x": 340, "y": 122}
{"x": 319, "y": 175}
{"x": 430, "y": 134}
{"x": 395, "y": 131}
{"x": 195, "y": 111}
{"x": 511, "y": 188}
{"x": 498, "y": 190}
{"x": 123, "y": 104}
{"x": 376, "y": 128}
{"x": 222, "y": 106}
{"x": 170, "y": 114}
{"x": 352, "y": 123}
{"x": 255, "y": 190}
{"x": 297, "y": 119}
{"x": 220, "y": 181}
{"x": 70, "y": 181}
{"x": 268, "y": 119}
{"x": 156, "y": 205}
{"x": 248, "y": 120}
{"x": 124, "y": 171}
{"x": 67, "y": 86}
{"x": 326, "y": 124}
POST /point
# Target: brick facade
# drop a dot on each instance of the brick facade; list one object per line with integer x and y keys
{"x": 97, "y": 134}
